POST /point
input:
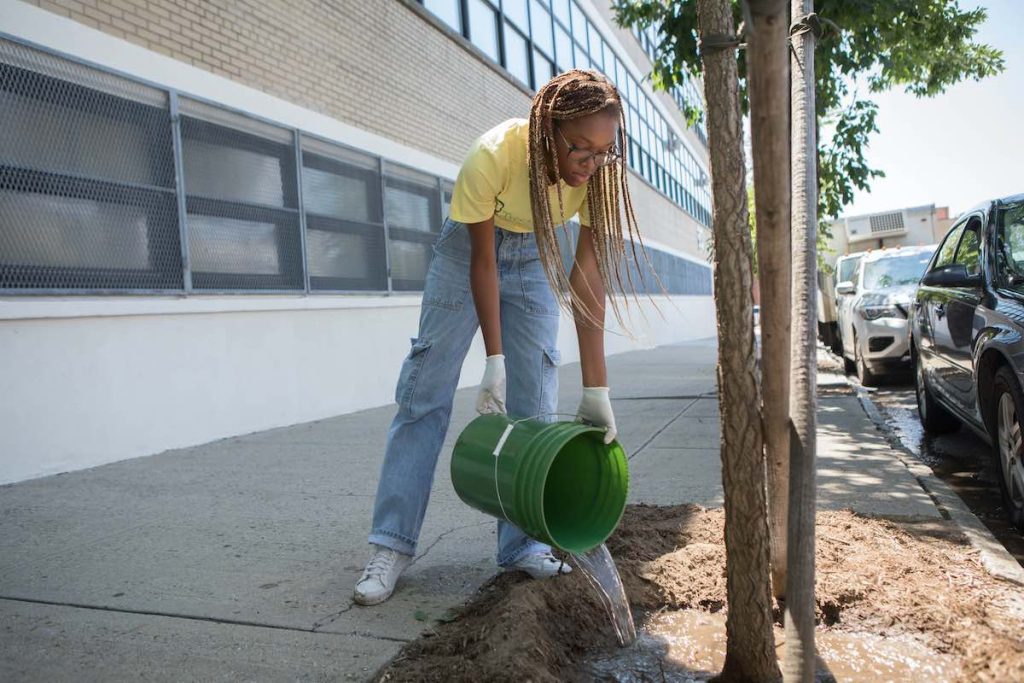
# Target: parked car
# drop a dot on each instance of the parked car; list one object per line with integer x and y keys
{"x": 873, "y": 310}
{"x": 829, "y": 300}
{"x": 967, "y": 338}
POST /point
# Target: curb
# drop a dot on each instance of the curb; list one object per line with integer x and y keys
{"x": 996, "y": 559}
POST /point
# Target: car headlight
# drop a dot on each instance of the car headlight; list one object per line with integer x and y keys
{"x": 874, "y": 312}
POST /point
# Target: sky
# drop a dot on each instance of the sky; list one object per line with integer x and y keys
{"x": 958, "y": 148}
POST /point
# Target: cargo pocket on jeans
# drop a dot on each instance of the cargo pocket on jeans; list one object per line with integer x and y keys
{"x": 549, "y": 378}
{"x": 411, "y": 369}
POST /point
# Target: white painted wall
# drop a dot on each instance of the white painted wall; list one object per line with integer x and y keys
{"x": 81, "y": 386}
{"x": 87, "y": 381}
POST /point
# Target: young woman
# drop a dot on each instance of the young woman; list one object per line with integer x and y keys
{"x": 497, "y": 265}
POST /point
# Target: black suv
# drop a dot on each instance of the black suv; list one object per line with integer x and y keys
{"x": 967, "y": 338}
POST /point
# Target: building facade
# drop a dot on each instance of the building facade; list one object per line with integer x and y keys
{"x": 912, "y": 226}
{"x": 215, "y": 217}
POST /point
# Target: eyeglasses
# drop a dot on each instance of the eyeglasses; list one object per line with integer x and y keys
{"x": 583, "y": 156}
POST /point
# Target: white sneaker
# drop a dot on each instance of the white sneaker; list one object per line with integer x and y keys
{"x": 378, "y": 580}
{"x": 540, "y": 565}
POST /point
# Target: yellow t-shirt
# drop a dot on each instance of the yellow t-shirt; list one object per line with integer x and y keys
{"x": 495, "y": 181}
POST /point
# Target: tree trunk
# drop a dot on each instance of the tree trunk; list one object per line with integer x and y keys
{"x": 799, "y": 659}
{"x": 750, "y": 650}
{"x": 768, "y": 78}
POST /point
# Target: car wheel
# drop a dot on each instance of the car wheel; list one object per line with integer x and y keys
{"x": 1007, "y": 437}
{"x": 934, "y": 418}
{"x": 864, "y": 374}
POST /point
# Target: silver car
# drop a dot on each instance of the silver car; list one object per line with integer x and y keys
{"x": 873, "y": 308}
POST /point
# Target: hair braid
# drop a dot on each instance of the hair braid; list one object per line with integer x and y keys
{"x": 571, "y": 95}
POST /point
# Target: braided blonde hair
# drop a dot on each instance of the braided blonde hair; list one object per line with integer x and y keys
{"x": 573, "y": 95}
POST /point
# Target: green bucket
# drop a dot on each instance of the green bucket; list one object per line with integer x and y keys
{"x": 558, "y": 482}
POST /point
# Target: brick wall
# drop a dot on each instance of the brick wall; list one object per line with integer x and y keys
{"x": 378, "y": 65}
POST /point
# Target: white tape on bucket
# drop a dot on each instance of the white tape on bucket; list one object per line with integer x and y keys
{"x": 497, "y": 452}
{"x": 503, "y": 439}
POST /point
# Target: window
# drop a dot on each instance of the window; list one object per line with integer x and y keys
{"x": 87, "y": 184}
{"x": 563, "y": 49}
{"x": 516, "y": 55}
{"x": 445, "y": 10}
{"x": 341, "y": 195}
{"x": 579, "y": 24}
{"x": 969, "y": 251}
{"x": 516, "y": 12}
{"x": 447, "y": 189}
{"x": 543, "y": 70}
{"x": 242, "y": 201}
{"x": 1010, "y": 235}
{"x": 893, "y": 271}
{"x": 581, "y": 59}
{"x": 540, "y": 23}
{"x": 562, "y": 11}
{"x": 948, "y": 248}
{"x": 412, "y": 206}
{"x": 596, "y": 55}
{"x": 483, "y": 28}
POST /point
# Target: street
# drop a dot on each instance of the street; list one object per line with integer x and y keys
{"x": 961, "y": 459}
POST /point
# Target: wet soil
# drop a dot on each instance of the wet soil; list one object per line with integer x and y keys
{"x": 894, "y": 602}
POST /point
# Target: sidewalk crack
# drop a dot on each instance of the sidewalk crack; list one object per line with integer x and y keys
{"x": 446, "y": 533}
{"x": 663, "y": 428}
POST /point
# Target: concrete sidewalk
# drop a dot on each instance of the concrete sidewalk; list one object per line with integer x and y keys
{"x": 235, "y": 560}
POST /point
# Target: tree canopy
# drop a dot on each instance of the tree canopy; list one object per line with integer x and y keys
{"x": 922, "y": 46}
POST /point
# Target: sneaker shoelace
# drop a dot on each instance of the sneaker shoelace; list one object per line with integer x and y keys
{"x": 380, "y": 565}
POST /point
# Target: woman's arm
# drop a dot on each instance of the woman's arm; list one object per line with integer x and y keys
{"x": 586, "y": 282}
{"x": 483, "y": 282}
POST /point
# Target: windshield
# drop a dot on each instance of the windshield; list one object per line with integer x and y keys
{"x": 1010, "y": 227}
{"x": 895, "y": 271}
{"x": 846, "y": 268}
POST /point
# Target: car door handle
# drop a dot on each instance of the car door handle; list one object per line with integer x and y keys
{"x": 940, "y": 310}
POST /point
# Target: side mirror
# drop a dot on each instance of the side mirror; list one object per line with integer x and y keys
{"x": 953, "y": 275}
{"x": 845, "y": 287}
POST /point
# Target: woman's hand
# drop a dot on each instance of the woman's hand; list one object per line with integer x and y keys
{"x": 491, "y": 397}
{"x": 596, "y": 408}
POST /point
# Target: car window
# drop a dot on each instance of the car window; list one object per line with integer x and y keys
{"x": 847, "y": 267}
{"x": 969, "y": 251}
{"x": 1010, "y": 235}
{"x": 895, "y": 271}
{"x": 948, "y": 249}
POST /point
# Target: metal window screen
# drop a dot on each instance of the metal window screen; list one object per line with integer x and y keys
{"x": 87, "y": 183}
{"x": 341, "y": 195}
{"x": 242, "y": 202}
{"x": 413, "y": 213}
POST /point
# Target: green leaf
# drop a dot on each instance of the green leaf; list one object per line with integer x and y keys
{"x": 921, "y": 46}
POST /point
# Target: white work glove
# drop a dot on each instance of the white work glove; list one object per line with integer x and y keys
{"x": 596, "y": 409}
{"x": 491, "y": 398}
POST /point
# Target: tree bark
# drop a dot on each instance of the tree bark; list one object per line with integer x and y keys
{"x": 768, "y": 80}
{"x": 750, "y": 650}
{"x": 799, "y": 660}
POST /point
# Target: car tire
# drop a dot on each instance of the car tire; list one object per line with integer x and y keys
{"x": 934, "y": 418}
{"x": 1008, "y": 443}
{"x": 837, "y": 341}
{"x": 864, "y": 374}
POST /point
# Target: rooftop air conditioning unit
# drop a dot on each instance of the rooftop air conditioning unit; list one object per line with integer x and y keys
{"x": 876, "y": 227}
